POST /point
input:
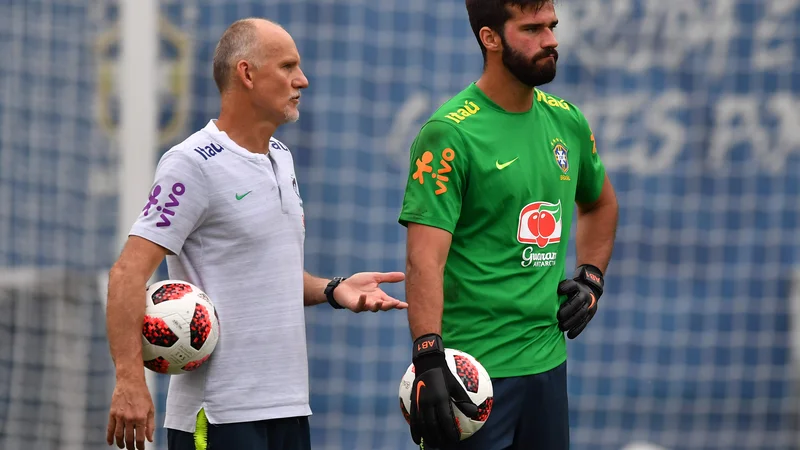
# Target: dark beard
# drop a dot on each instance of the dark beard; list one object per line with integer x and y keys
{"x": 525, "y": 70}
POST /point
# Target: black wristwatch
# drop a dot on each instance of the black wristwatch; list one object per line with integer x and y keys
{"x": 329, "y": 291}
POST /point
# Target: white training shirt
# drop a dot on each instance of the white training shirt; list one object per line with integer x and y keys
{"x": 234, "y": 221}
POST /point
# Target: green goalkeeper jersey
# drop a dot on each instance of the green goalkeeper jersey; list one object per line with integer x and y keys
{"x": 504, "y": 185}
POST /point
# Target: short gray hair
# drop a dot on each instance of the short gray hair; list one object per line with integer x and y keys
{"x": 238, "y": 42}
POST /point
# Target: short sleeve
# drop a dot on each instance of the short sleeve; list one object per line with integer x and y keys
{"x": 436, "y": 179}
{"x": 592, "y": 173}
{"x": 176, "y": 204}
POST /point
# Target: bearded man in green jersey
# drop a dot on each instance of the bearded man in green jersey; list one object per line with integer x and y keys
{"x": 495, "y": 175}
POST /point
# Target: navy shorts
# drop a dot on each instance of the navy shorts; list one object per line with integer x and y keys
{"x": 275, "y": 434}
{"x": 529, "y": 413}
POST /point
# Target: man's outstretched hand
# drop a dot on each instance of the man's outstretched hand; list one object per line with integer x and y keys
{"x": 362, "y": 292}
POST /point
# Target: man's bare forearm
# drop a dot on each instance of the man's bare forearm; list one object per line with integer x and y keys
{"x": 314, "y": 289}
{"x": 124, "y": 318}
{"x": 425, "y": 298}
{"x": 594, "y": 239}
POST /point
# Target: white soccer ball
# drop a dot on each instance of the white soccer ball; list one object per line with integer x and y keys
{"x": 472, "y": 377}
{"x": 181, "y": 327}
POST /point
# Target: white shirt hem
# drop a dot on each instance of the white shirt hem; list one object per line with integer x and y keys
{"x": 188, "y": 423}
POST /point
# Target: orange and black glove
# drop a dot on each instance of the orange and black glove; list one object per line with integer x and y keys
{"x": 583, "y": 292}
{"x": 431, "y": 418}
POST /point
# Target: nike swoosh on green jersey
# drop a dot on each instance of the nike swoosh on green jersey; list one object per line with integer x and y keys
{"x": 239, "y": 197}
{"x": 504, "y": 165}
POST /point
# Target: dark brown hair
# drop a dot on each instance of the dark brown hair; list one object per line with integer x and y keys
{"x": 495, "y": 13}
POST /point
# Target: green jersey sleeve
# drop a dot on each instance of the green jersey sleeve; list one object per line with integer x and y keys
{"x": 436, "y": 177}
{"x": 592, "y": 173}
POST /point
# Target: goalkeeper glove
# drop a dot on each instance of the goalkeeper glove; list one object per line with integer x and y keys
{"x": 583, "y": 292}
{"x": 432, "y": 420}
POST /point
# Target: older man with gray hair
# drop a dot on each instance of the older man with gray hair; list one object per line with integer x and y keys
{"x": 237, "y": 231}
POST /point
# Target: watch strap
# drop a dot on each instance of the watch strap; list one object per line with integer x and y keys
{"x": 329, "y": 292}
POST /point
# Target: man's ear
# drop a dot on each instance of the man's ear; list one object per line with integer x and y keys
{"x": 490, "y": 39}
{"x": 244, "y": 73}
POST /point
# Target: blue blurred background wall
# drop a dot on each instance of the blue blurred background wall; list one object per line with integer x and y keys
{"x": 695, "y": 106}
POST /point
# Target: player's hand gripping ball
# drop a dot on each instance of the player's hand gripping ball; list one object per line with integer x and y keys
{"x": 446, "y": 407}
{"x": 180, "y": 327}
{"x": 583, "y": 292}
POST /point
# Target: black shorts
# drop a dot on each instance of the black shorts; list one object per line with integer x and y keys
{"x": 276, "y": 434}
{"x": 529, "y": 413}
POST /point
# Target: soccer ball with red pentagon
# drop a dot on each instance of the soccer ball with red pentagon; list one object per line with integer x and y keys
{"x": 472, "y": 377}
{"x": 180, "y": 329}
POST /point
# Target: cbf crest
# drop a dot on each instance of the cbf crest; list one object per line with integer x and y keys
{"x": 174, "y": 61}
{"x": 561, "y": 154}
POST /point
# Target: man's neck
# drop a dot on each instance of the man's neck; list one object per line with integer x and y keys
{"x": 505, "y": 89}
{"x": 245, "y": 128}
